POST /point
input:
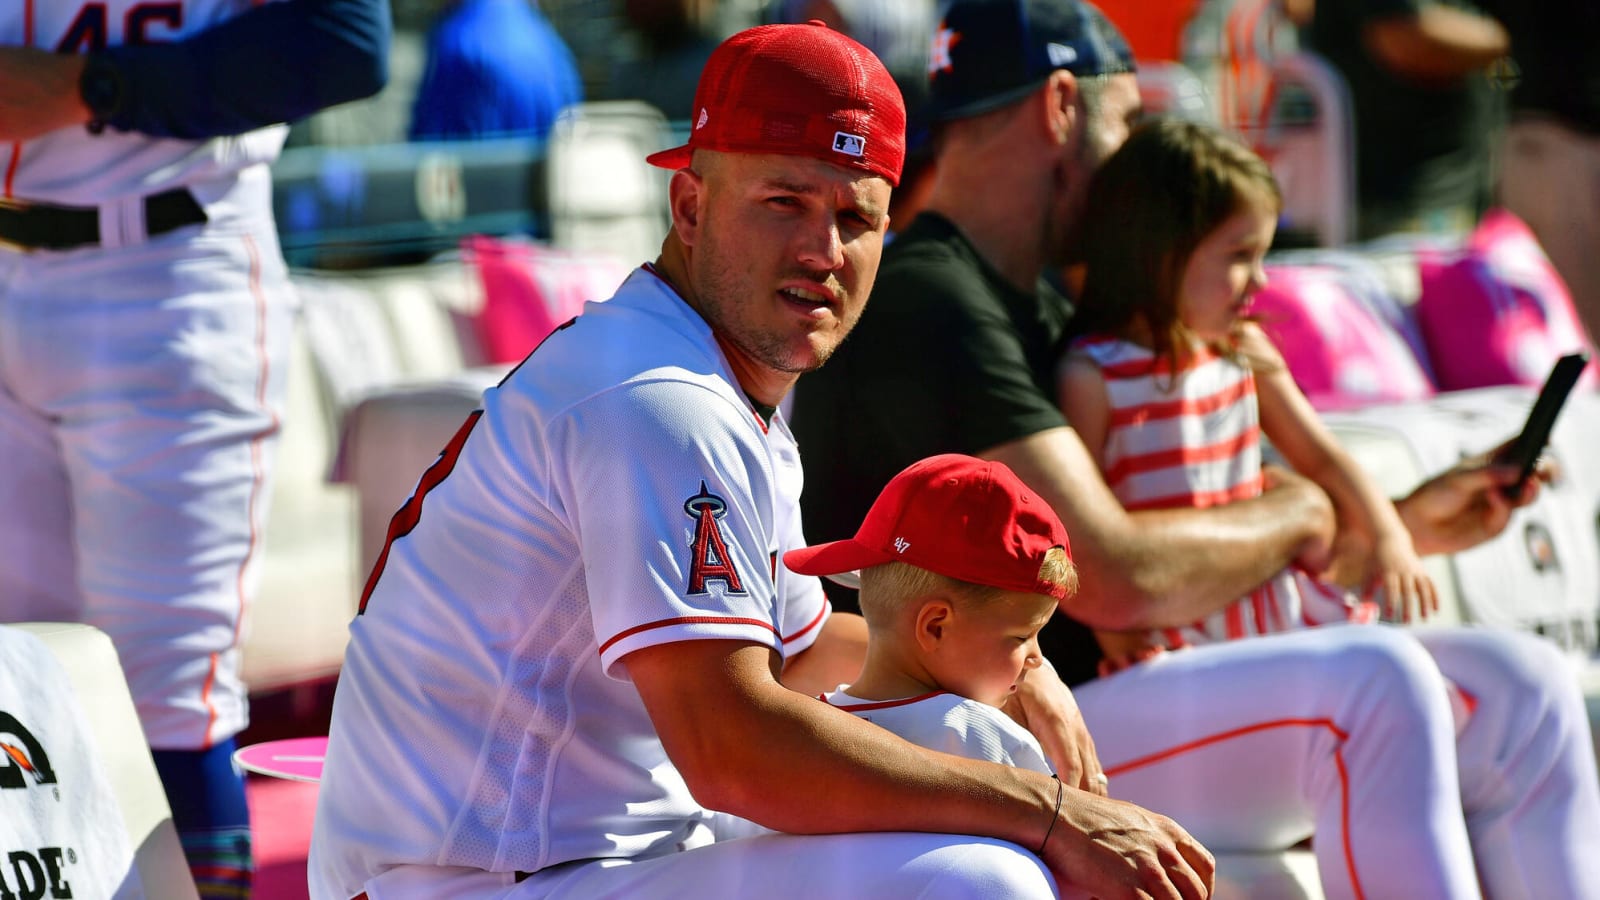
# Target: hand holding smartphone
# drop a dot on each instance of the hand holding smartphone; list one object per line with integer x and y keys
{"x": 1524, "y": 450}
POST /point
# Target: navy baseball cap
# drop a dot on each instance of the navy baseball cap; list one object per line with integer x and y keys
{"x": 987, "y": 53}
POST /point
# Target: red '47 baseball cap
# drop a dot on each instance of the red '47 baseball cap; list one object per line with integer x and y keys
{"x": 801, "y": 90}
{"x": 955, "y": 515}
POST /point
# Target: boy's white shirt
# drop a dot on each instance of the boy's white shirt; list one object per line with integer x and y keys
{"x": 939, "y": 721}
{"x": 951, "y": 724}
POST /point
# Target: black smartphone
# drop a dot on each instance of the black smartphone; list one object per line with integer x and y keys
{"x": 1525, "y": 449}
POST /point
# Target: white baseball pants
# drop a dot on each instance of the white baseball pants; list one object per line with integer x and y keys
{"x": 1345, "y": 733}
{"x": 141, "y": 389}
{"x": 778, "y": 866}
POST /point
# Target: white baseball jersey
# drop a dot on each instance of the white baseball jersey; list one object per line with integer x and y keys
{"x": 616, "y": 491}
{"x": 68, "y": 166}
{"x": 1192, "y": 438}
{"x": 951, "y": 724}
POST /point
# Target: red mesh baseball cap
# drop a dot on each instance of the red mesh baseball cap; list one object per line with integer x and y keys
{"x": 802, "y": 90}
{"x": 955, "y": 515}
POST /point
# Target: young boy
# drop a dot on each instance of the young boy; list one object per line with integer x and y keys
{"x": 960, "y": 566}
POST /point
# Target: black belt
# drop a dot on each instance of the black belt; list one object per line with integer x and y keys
{"x": 524, "y": 876}
{"x": 40, "y": 226}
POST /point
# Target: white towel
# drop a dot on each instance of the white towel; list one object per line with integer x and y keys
{"x": 61, "y": 831}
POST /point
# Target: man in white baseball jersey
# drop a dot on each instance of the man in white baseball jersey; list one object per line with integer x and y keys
{"x": 571, "y": 649}
{"x": 960, "y": 566}
{"x": 1343, "y": 734}
{"x": 145, "y": 316}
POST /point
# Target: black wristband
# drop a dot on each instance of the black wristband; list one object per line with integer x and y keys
{"x": 102, "y": 88}
{"x": 1060, "y": 790}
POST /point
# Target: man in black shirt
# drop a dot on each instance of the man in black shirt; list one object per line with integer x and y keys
{"x": 1000, "y": 368}
{"x": 1251, "y": 745}
{"x": 957, "y": 350}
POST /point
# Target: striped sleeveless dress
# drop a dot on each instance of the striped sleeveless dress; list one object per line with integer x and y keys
{"x": 1192, "y": 438}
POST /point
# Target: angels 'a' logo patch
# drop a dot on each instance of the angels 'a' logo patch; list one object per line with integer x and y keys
{"x": 709, "y": 561}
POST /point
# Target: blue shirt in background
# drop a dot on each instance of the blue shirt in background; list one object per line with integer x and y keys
{"x": 495, "y": 68}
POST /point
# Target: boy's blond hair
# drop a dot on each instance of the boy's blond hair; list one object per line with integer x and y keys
{"x": 888, "y": 588}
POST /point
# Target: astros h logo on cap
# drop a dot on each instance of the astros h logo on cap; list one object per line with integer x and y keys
{"x": 988, "y": 53}
{"x": 799, "y": 90}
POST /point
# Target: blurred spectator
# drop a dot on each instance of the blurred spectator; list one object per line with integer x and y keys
{"x": 898, "y": 31}
{"x": 1550, "y": 163}
{"x": 495, "y": 68}
{"x": 676, "y": 38}
{"x": 1426, "y": 114}
{"x": 1298, "y": 11}
{"x": 1231, "y": 45}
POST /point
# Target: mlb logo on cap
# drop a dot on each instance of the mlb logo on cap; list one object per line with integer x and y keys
{"x": 803, "y": 90}
{"x": 851, "y": 144}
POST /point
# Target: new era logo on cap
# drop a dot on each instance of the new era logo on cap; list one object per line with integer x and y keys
{"x": 849, "y": 144}
{"x": 988, "y": 53}
{"x": 1060, "y": 54}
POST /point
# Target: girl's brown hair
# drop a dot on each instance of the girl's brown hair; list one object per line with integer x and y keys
{"x": 1151, "y": 204}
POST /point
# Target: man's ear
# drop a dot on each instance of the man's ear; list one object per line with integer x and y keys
{"x": 933, "y": 618}
{"x": 1060, "y": 106}
{"x": 686, "y": 198}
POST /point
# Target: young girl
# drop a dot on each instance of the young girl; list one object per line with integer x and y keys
{"x": 1171, "y": 386}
